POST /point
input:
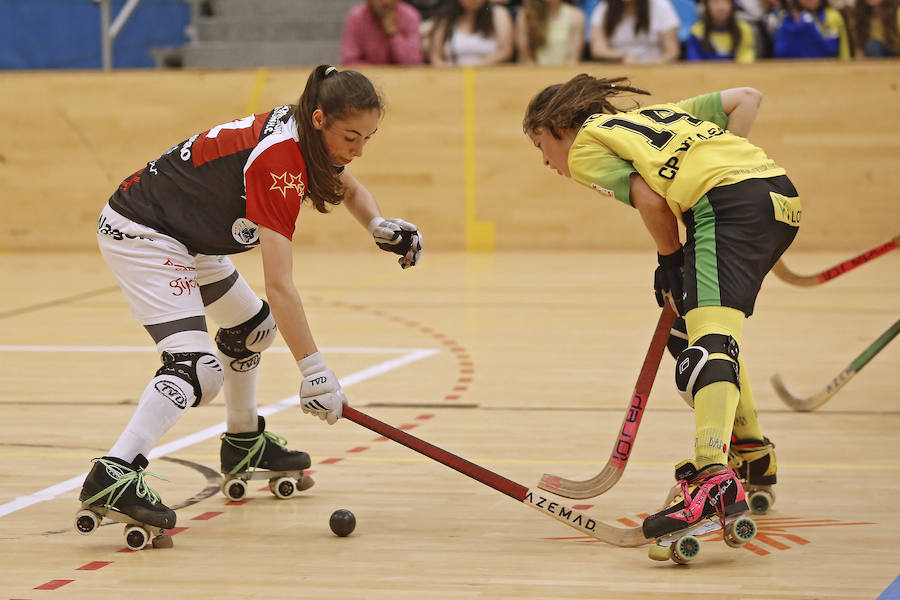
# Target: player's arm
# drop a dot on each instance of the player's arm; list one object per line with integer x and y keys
{"x": 358, "y": 200}
{"x": 391, "y": 235}
{"x": 283, "y": 298}
{"x": 668, "y": 279}
{"x": 320, "y": 390}
{"x": 658, "y": 218}
{"x": 741, "y": 105}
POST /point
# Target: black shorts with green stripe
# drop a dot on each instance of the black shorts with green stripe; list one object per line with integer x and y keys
{"x": 735, "y": 235}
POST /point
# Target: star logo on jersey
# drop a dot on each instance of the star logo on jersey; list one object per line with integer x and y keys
{"x": 287, "y": 181}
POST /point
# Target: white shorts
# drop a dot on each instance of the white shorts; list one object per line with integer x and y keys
{"x": 157, "y": 274}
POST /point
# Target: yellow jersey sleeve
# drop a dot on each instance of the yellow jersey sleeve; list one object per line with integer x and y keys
{"x": 746, "y": 50}
{"x": 596, "y": 167}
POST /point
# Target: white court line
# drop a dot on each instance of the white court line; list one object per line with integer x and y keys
{"x": 149, "y": 348}
{"x": 60, "y": 488}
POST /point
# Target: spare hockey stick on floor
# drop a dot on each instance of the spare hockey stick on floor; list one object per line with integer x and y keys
{"x": 817, "y": 400}
{"x": 782, "y": 272}
{"x": 618, "y": 459}
{"x": 611, "y": 534}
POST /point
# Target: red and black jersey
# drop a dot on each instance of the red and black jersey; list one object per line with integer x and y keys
{"x": 213, "y": 190}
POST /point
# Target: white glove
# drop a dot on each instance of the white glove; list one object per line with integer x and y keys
{"x": 399, "y": 237}
{"x": 320, "y": 390}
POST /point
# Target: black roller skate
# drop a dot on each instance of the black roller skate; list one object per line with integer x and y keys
{"x": 711, "y": 498}
{"x": 754, "y": 463}
{"x": 262, "y": 455}
{"x": 117, "y": 490}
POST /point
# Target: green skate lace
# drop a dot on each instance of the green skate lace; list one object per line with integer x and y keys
{"x": 256, "y": 450}
{"x": 121, "y": 484}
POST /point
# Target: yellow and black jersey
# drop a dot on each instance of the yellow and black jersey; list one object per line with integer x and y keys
{"x": 681, "y": 150}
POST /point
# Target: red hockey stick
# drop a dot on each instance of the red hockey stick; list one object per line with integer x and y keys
{"x": 618, "y": 459}
{"x": 782, "y": 272}
{"x": 618, "y": 536}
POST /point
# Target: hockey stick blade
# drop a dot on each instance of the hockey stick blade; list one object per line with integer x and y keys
{"x": 785, "y": 274}
{"x": 618, "y": 536}
{"x": 816, "y": 400}
{"x": 618, "y": 459}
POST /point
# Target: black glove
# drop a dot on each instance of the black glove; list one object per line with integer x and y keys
{"x": 668, "y": 281}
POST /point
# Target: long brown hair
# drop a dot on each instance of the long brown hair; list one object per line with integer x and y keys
{"x": 536, "y": 19}
{"x": 337, "y": 94}
{"x": 615, "y": 10}
{"x": 734, "y": 30}
{"x": 567, "y": 105}
{"x": 862, "y": 23}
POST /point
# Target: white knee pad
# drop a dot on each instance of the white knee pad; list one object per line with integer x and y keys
{"x": 191, "y": 374}
{"x": 244, "y": 342}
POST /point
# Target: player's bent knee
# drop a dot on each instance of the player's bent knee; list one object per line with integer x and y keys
{"x": 694, "y": 369}
{"x": 244, "y": 342}
{"x": 201, "y": 371}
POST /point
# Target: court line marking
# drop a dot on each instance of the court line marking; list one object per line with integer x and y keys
{"x": 148, "y": 349}
{"x": 60, "y": 488}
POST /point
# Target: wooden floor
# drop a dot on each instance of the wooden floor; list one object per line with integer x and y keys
{"x": 521, "y": 362}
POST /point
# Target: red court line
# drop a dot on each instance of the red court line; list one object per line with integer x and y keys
{"x": 206, "y": 516}
{"x": 628, "y": 522}
{"x": 424, "y": 417}
{"x": 358, "y": 449}
{"x": 330, "y": 461}
{"x": 238, "y": 502}
{"x": 54, "y": 584}
{"x": 408, "y": 426}
{"x": 582, "y": 506}
{"x": 93, "y": 566}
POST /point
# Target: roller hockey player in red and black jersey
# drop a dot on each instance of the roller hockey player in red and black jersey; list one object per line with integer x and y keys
{"x": 166, "y": 233}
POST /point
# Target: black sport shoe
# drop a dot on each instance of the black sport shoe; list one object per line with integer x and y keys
{"x": 712, "y": 491}
{"x": 119, "y": 486}
{"x": 259, "y": 450}
{"x": 753, "y": 461}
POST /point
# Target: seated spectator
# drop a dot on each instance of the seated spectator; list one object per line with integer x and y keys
{"x": 381, "y": 32}
{"x": 810, "y": 29}
{"x": 549, "y": 32}
{"x": 471, "y": 32}
{"x": 875, "y": 28}
{"x": 720, "y": 35}
{"x": 635, "y": 31}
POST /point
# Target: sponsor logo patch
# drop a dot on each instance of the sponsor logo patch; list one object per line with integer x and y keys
{"x": 245, "y": 231}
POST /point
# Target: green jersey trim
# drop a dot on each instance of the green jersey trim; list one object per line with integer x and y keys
{"x": 705, "y": 260}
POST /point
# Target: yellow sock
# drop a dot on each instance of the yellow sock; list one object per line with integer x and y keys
{"x": 715, "y": 404}
{"x": 746, "y": 421}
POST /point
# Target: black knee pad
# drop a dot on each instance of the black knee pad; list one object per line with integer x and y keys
{"x": 694, "y": 370}
{"x": 244, "y": 342}
{"x": 201, "y": 370}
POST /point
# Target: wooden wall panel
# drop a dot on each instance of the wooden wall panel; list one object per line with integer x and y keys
{"x": 67, "y": 139}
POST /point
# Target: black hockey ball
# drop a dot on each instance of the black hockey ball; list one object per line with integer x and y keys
{"x": 342, "y": 522}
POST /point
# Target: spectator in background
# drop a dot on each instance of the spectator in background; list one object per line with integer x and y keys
{"x": 635, "y": 31}
{"x": 381, "y": 32}
{"x": 549, "y": 32}
{"x": 471, "y": 32}
{"x": 720, "y": 35}
{"x": 810, "y": 29}
{"x": 875, "y": 28}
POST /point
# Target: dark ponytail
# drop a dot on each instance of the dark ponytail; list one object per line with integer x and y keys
{"x": 337, "y": 94}
{"x": 567, "y": 105}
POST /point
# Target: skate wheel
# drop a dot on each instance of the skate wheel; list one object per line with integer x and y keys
{"x": 685, "y": 549}
{"x": 162, "y": 541}
{"x": 304, "y": 483}
{"x": 136, "y": 537}
{"x": 657, "y": 552}
{"x": 761, "y": 501}
{"x": 282, "y": 487}
{"x": 740, "y": 532}
{"x": 234, "y": 489}
{"x": 86, "y": 522}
